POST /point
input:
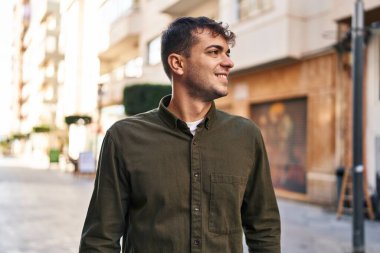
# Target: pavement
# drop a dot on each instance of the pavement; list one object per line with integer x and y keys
{"x": 43, "y": 211}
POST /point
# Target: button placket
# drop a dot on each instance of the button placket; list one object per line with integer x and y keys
{"x": 196, "y": 216}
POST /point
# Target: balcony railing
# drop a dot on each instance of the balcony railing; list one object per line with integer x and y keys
{"x": 111, "y": 10}
{"x": 180, "y": 7}
{"x": 44, "y": 8}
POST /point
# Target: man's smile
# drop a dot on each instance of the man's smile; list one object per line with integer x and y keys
{"x": 222, "y": 76}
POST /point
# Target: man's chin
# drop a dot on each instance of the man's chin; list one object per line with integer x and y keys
{"x": 220, "y": 94}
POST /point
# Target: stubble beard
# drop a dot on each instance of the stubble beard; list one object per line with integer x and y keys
{"x": 199, "y": 90}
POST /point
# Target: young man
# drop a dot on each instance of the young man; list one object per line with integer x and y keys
{"x": 185, "y": 177}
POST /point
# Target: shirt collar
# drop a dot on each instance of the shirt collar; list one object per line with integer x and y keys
{"x": 175, "y": 122}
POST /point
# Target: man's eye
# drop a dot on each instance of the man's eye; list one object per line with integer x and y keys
{"x": 213, "y": 52}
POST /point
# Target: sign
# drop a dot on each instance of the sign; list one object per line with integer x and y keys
{"x": 86, "y": 162}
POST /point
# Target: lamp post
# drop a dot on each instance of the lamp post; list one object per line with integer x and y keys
{"x": 357, "y": 170}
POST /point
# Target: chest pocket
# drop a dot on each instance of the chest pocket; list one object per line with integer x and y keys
{"x": 225, "y": 202}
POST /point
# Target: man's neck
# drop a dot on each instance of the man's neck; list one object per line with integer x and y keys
{"x": 188, "y": 109}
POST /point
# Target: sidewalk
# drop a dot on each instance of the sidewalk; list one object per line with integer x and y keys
{"x": 43, "y": 211}
{"x": 26, "y": 162}
{"x": 312, "y": 229}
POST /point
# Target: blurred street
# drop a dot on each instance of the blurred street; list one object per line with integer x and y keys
{"x": 43, "y": 211}
{"x": 306, "y": 72}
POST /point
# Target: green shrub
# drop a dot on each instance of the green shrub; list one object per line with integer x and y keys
{"x": 41, "y": 129}
{"x": 140, "y": 98}
{"x": 73, "y": 119}
{"x": 19, "y": 136}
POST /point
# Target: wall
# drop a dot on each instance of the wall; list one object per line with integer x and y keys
{"x": 314, "y": 79}
{"x": 373, "y": 109}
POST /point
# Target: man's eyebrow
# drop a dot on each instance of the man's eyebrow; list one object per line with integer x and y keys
{"x": 219, "y": 47}
{"x": 216, "y": 46}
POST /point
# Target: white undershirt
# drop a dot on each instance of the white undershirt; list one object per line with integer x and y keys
{"x": 193, "y": 125}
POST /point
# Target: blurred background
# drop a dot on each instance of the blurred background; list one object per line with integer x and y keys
{"x": 71, "y": 68}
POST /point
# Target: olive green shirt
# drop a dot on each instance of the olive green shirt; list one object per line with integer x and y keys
{"x": 163, "y": 190}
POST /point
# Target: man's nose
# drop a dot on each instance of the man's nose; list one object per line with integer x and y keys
{"x": 227, "y": 62}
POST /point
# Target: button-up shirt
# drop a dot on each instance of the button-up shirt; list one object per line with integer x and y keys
{"x": 163, "y": 190}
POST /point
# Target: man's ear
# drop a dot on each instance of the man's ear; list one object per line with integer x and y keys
{"x": 176, "y": 63}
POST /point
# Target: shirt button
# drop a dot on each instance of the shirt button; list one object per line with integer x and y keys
{"x": 197, "y": 242}
{"x": 196, "y": 174}
{"x": 196, "y": 209}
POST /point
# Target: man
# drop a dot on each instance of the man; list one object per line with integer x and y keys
{"x": 185, "y": 177}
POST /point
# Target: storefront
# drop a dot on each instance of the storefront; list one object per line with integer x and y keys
{"x": 296, "y": 107}
{"x": 283, "y": 126}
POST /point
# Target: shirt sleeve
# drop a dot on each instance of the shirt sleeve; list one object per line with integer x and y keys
{"x": 259, "y": 211}
{"x": 105, "y": 222}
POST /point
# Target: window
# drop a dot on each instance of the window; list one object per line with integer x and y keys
{"x": 49, "y": 93}
{"x": 51, "y": 23}
{"x": 50, "y": 44}
{"x": 133, "y": 68}
{"x": 61, "y": 43}
{"x": 248, "y": 8}
{"x": 61, "y": 72}
{"x": 154, "y": 51}
{"x": 50, "y": 71}
{"x": 118, "y": 73}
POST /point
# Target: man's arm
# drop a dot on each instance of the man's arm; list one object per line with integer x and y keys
{"x": 106, "y": 217}
{"x": 260, "y": 215}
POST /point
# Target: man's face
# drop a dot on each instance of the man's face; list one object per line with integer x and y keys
{"x": 206, "y": 70}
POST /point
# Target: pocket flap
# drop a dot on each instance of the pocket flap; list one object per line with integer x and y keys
{"x": 227, "y": 179}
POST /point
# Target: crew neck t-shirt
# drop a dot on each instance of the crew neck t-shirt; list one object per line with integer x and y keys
{"x": 193, "y": 125}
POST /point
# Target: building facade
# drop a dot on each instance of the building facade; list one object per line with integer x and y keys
{"x": 292, "y": 75}
{"x": 36, "y": 59}
{"x": 41, "y": 58}
{"x": 293, "y": 80}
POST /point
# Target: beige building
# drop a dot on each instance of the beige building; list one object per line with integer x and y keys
{"x": 21, "y": 18}
{"x": 41, "y": 58}
{"x": 35, "y": 74}
{"x": 79, "y": 39}
{"x": 292, "y": 75}
{"x": 289, "y": 78}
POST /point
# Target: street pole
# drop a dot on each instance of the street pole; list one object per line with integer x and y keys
{"x": 357, "y": 170}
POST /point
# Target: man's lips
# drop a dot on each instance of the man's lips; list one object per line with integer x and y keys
{"x": 222, "y": 75}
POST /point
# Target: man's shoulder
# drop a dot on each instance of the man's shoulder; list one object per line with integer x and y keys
{"x": 131, "y": 122}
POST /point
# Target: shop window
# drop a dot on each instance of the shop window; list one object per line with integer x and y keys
{"x": 283, "y": 126}
{"x": 249, "y": 8}
{"x": 154, "y": 51}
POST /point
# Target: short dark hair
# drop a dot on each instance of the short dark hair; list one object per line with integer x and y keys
{"x": 179, "y": 37}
